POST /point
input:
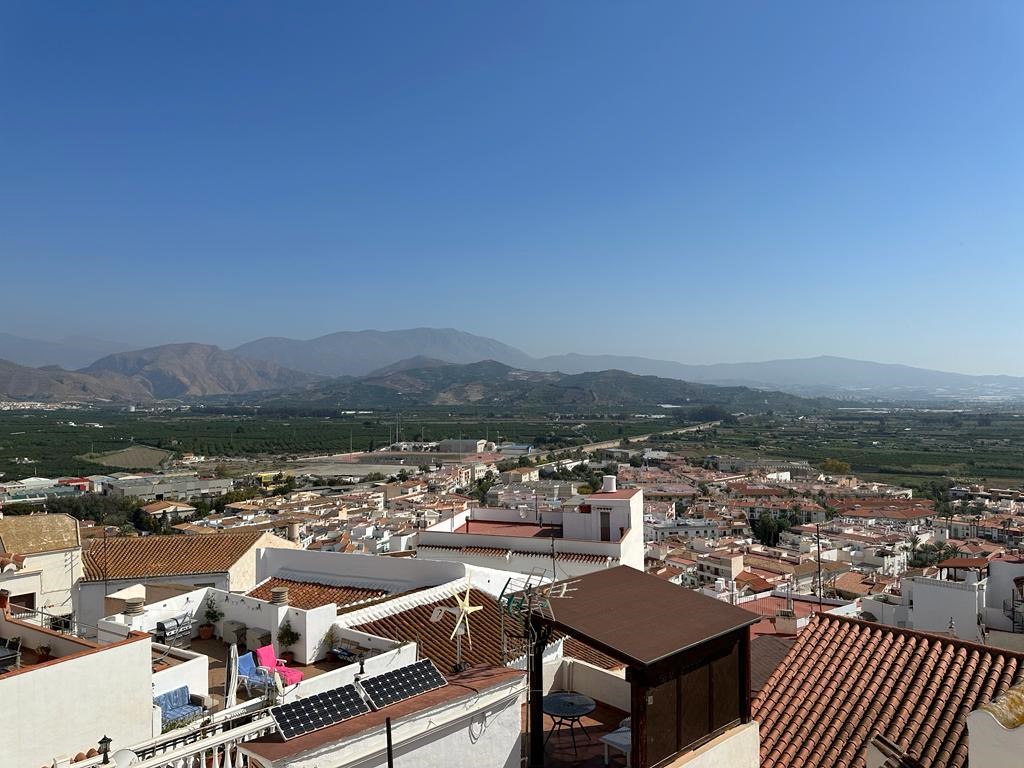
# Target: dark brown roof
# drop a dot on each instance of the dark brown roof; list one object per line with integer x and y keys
{"x": 310, "y": 594}
{"x": 147, "y": 556}
{"x": 846, "y": 679}
{"x": 640, "y": 619}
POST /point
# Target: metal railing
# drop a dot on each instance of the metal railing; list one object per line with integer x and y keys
{"x": 214, "y": 744}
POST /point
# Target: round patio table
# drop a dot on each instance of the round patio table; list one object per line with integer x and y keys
{"x": 567, "y": 709}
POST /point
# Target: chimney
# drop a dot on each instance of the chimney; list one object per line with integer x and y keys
{"x": 279, "y": 596}
{"x": 134, "y": 606}
{"x": 608, "y": 484}
{"x": 5, "y": 600}
{"x": 293, "y": 531}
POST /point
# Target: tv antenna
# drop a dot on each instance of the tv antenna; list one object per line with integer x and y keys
{"x": 461, "y": 611}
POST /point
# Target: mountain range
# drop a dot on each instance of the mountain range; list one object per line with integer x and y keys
{"x": 171, "y": 371}
{"x": 274, "y": 363}
{"x": 423, "y": 381}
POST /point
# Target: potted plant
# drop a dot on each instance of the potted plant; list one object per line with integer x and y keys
{"x": 286, "y": 638}
{"x": 43, "y": 652}
{"x": 212, "y": 615}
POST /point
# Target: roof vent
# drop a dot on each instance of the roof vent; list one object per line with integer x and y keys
{"x": 608, "y": 484}
{"x": 279, "y": 595}
{"x": 134, "y": 606}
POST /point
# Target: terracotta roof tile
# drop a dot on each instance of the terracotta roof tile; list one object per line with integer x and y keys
{"x": 844, "y": 680}
{"x": 414, "y": 625}
{"x": 148, "y": 556}
{"x": 311, "y": 594}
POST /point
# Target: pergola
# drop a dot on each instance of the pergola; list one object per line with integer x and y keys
{"x": 687, "y": 658}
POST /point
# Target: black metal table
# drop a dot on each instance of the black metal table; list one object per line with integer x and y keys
{"x": 567, "y": 709}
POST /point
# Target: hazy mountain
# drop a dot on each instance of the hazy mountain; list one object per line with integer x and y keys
{"x": 815, "y": 376}
{"x": 357, "y": 353}
{"x": 491, "y": 383}
{"x": 195, "y": 370}
{"x": 20, "y": 382}
{"x": 71, "y": 352}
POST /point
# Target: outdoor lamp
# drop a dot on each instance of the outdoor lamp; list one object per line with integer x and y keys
{"x": 105, "y": 748}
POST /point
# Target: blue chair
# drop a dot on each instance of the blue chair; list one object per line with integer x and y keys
{"x": 253, "y": 676}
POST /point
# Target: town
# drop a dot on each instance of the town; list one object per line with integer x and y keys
{"x": 225, "y": 606}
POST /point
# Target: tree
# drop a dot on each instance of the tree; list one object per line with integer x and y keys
{"x": 766, "y": 529}
{"x": 835, "y": 467}
{"x": 482, "y": 486}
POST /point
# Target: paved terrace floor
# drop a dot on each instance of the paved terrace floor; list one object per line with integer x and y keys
{"x": 217, "y": 651}
{"x": 590, "y": 751}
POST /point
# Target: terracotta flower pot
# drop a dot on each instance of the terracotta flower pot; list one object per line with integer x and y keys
{"x": 205, "y": 631}
{"x": 288, "y": 656}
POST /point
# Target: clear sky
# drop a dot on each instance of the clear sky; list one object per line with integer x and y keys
{"x": 695, "y": 181}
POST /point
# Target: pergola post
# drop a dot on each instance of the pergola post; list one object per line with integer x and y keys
{"x": 539, "y": 634}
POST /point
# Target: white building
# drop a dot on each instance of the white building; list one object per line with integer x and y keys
{"x": 40, "y": 562}
{"x": 600, "y": 530}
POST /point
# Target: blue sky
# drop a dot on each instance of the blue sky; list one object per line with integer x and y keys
{"x": 701, "y": 182}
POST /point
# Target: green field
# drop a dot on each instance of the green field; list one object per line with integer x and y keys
{"x": 55, "y": 447}
{"x": 898, "y": 447}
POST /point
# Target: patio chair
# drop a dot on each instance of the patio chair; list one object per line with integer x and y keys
{"x": 252, "y": 676}
{"x": 266, "y": 657}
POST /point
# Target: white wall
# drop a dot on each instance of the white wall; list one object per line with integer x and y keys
{"x": 739, "y": 747}
{"x": 64, "y": 707}
{"x": 191, "y": 670}
{"x": 90, "y": 595}
{"x": 396, "y": 574}
{"x": 599, "y": 684}
{"x": 935, "y": 602}
{"x": 991, "y": 744}
{"x": 375, "y": 665}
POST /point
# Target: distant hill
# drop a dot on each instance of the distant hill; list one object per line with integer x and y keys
{"x": 816, "y": 376}
{"x": 70, "y": 353}
{"x": 358, "y": 353}
{"x": 195, "y": 370}
{"x": 20, "y": 382}
{"x": 495, "y": 384}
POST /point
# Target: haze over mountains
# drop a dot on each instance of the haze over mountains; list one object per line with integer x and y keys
{"x": 274, "y": 363}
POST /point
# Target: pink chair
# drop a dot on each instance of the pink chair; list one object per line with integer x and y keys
{"x": 265, "y": 657}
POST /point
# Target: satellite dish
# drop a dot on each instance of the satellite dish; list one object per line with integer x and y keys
{"x": 123, "y": 758}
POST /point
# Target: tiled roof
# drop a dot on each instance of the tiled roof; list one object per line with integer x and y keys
{"x": 311, "y": 594}
{"x": 175, "y": 555}
{"x": 571, "y": 557}
{"x": 32, "y": 534}
{"x": 414, "y": 625}
{"x": 846, "y": 679}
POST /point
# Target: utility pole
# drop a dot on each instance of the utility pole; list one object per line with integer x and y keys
{"x": 817, "y": 533}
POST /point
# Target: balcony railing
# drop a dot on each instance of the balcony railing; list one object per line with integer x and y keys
{"x": 213, "y": 746}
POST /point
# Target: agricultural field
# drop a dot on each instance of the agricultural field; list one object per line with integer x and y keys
{"x": 900, "y": 446}
{"x": 55, "y": 443}
{"x": 134, "y": 457}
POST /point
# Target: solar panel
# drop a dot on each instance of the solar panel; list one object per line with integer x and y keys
{"x": 318, "y": 711}
{"x": 404, "y": 683}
